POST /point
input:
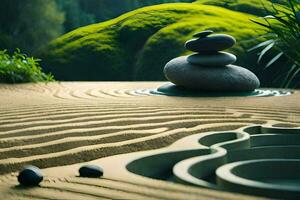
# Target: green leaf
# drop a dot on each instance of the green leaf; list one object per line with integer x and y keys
{"x": 261, "y": 24}
{"x": 262, "y": 44}
{"x": 293, "y": 77}
{"x": 264, "y": 51}
{"x": 286, "y": 79}
{"x": 269, "y": 17}
{"x": 271, "y": 62}
{"x": 19, "y": 68}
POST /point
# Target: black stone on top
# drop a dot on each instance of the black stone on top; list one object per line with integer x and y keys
{"x": 213, "y": 43}
{"x": 203, "y": 34}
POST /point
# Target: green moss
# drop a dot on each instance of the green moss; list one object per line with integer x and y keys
{"x": 136, "y": 45}
{"x": 255, "y": 7}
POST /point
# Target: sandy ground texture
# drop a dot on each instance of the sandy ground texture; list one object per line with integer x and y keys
{"x": 59, "y": 126}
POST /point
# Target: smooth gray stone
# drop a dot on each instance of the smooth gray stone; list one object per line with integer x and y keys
{"x": 30, "y": 176}
{"x": 91, "y": 171}
{"x": 203, "y": 34}
{"x": 214, "y": 59}
{"x": 212, "y": 43}
{"x": 230, "y": 78}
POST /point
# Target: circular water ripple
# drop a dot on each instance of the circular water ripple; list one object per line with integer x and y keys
{"x": 257, "y": 92}
{"x": 170, "y": 89}
{"x": 129, "y": 94}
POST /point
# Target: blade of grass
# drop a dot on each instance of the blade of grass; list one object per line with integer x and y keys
{"x": 273, "y": 60}
{"x": 286, "y": 79}
{"x": 264, "y": 51}
{"x": 293, "y": 76}
{"x": 261, "y": 45}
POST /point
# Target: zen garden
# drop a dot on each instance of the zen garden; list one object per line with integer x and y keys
{"x": 149, "y": 99}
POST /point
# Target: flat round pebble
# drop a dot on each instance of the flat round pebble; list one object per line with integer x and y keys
{"x": 212, "y": 43}
{"x": 213, "y": 59}
{"x": 30, "y": 176}
{"x": 91, "y": 171}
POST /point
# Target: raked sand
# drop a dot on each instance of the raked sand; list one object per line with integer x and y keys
{"x": 59, "y": 126}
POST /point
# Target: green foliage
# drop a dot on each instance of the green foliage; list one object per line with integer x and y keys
{"x": 18, "y": 68}
{"x": 75, "y": 16}
{"x": 283, "y": 37}
{"x": 137, "y": 45}
{"x": 28, "y": 24}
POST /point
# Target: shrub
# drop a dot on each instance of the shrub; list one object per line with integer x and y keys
{"x": 18, "y": 68}
{"x": 284, "y": 39}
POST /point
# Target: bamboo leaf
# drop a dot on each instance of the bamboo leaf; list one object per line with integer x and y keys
{"x": 284, "y": 22}
{"x": 262, "y": 44}
{"x": 271, "y": 62}
{"x": 261, "y": 24}
{"x": 293, "y": 77}
{"x": 264, "y": 51}
{"x": 292, "y": 6}
{"x": 264, "y": 36}
{"x": 269, "y": 17}
{"x": 284, "y": 82}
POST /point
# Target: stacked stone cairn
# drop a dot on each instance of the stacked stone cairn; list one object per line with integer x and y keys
{"x": 210, "y": 69}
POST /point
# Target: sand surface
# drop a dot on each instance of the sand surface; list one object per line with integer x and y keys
{"x": 59, "y": 126}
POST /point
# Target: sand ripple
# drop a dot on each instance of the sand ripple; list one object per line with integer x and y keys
{"x": 59, "y": 124}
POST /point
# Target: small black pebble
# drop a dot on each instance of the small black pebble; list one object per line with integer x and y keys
{"x": 203, "y": 34}
{"x": 30, "y": 176}
{"x": 91, "y": 171}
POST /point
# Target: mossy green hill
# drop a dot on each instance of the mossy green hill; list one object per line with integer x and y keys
{"x": 256, "y": 7}
{"x": 136, "y": 45}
